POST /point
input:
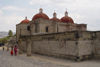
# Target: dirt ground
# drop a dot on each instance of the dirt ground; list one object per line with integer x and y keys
{"x": 60, "y": 61}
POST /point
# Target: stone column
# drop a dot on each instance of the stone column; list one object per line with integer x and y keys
{"x": 28, "y": 43}
{"x": 20, "y": 46}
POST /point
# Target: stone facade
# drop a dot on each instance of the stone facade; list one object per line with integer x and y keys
{"x": 75, "y": 45}
{"x": 41, "y": 24}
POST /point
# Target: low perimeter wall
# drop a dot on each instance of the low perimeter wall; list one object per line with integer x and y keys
{"x": 70, "y": 45}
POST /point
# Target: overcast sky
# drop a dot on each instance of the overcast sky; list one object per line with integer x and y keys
{"x": 13, "y": 12}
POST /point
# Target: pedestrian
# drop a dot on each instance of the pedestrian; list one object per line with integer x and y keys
{"x": 7, "y": 48}
{"x": 11, "y": 47}
{"x": 3, "y": 48}
{"x": 11, "y": 52}
{"x": 15, "y": 50}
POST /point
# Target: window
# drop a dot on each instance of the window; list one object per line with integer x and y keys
{"x": 28, "y": 28}
{"x": 35, "y": 27}
{"x": 46, "y": 29}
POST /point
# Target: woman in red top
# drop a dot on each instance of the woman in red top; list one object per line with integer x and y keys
{"x": 15, "y": 50}
{"x": 11, "y": 52}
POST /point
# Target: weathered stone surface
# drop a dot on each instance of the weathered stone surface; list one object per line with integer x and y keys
{"x": 28, "y": 43}
{"x": 86, "y": 34}
{"x": 20, "y": 47}
{"x": 85, "y": 48}
{"x": 66, "y": 44}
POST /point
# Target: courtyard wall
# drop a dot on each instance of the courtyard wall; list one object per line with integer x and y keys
{"x": 76, "y": 45}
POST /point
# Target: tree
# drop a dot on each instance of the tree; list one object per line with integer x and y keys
{"x": 10, "y": 33}
{"x": 0, "y": 40}
{"x": 4, "y": 40}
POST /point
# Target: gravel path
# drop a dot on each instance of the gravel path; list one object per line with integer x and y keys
{"x": 6, "y": 60}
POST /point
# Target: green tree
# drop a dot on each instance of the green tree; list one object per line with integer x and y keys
{"x": 10, "y": 33}
{"x": 4, "y": 40}
{"x": 0, "y": 40}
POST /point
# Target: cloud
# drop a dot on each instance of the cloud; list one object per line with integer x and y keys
{"x": 9, "y": 22}
{"x": 32, "y": 2}
{"x": 81, "y": 11}
{"x": 11, "y": 8}
{"x": 11, "y": 19}
{"x": 78, "y": 16}
{"x": 1, "y": 12}
{"x": 70, "y": 4}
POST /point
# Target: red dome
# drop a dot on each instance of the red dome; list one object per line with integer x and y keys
{"x": 55, "y": 19}
{"x": 40, "y": 15}
{"x": 67, "y": 19}
{"x": 25, "y": 21}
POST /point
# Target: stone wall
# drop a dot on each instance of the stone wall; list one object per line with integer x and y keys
{"x": 39, "y": 26}
{"x": 21, "y": 30}
{"x": 76, "y": 45}
{"x": 96, "y": 43}
{"x": 24, "y": 45}
{"x": 89, "y": 44}
{"x": 42, "y": 26}
{"x": 85, "y": 48}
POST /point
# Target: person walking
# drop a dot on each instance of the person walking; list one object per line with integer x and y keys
{"x": 15, "y": 50}
{"x": 11, "y": 47}
{"x": 7, "y": 48}
{"x": 12, "y": 51}
{"x": 3, "y": 48}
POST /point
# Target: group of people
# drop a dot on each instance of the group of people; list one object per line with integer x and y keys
{"x": 13, "y": 50}
{"x": 7, "y": 48}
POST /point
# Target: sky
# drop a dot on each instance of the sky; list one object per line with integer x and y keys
{"x": 12, "y": 12}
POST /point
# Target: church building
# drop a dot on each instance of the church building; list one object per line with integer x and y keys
{"x": 57, "y": 37}
{"x": 42, "y": 24}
